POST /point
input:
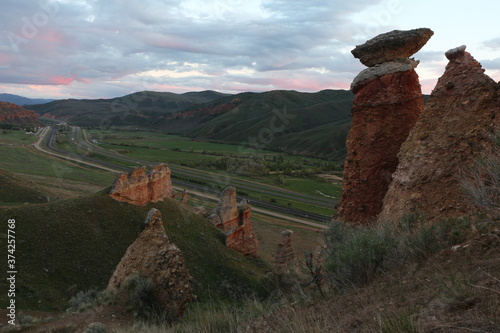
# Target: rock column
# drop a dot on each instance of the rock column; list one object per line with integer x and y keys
{"x": 153, "y": 257}
{"x": 234, "y": 220}
{"x": 285, "y": 259}
{"x": 387, "y": 102}
{"x": 456, "y": 130}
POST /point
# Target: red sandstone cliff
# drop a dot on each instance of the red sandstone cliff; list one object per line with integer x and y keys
{"x": 455, "y": 129}
{"x": 11, "y": 113}
{"x": 234, "y": 221}
{"x": 387, "y": 103}
{"x": 140, "y": 188}
{"x": 152, "y": 256}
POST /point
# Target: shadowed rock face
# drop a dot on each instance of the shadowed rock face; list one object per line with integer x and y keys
{"x": 153, "y": 256}
{"x": 234, "y": 220}
{"x": 455, "y": 129}
{"x": 140, "y": 188}
{"x": 387, "y": 103}
{"x": 11, "y": 113}
{"x": 391, "y": 46}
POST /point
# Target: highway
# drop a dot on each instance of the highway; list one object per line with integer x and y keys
{"x": 80, "y": 140}
{"x": 203, "y": 175}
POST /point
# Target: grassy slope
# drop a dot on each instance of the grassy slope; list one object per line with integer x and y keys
{"x": 14, "y": 190}
{"x": 18, "y": 156}
{"x": 67, "y": 246}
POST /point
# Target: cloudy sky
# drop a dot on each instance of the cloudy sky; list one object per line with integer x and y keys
{"x": 108, "y": 48}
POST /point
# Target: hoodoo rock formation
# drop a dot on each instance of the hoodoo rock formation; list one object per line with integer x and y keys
{"x": 387, "y": 103}
{"x": 456, "y": 128}
{"x": 234, "y": 221}
{"x": 11, "y": 113}
{"x": 285, "y": 259}
{"x": 152, "y": 256}
{"x": 139, "y": 187}
{"x": 184, "y": 197}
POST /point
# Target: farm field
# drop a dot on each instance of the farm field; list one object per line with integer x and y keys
{"x": 227, "y": 163}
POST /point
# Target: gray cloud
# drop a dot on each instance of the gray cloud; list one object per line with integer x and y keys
{"x": 97, "y": 48}
{"x": 491, "y": 63}
{"x": 493, "y": 43}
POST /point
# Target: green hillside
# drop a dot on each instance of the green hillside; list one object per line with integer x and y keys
{"x": 14, "y": 190}
{"x": 313, "y": 124}
{"x": 72, "y": 245}
{"x": 308, "y": 124}
{"x": 136, "y": 109}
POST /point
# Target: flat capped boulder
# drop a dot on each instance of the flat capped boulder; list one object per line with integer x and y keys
{"x": 391, "y": 46}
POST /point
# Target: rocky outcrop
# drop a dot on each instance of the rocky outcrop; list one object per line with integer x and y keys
{"x": 153, "y": 257}
{"x": 285, "y": 259}
{"x": 387, "y": 103}
{"x": 234, "y": 221}
{"x": 184, "y": 199}
{"x": 456, "y": 129}
{"x": 139, "y": 187}
{"x": 11, "y": 113}
{"x": 391, "y": 46}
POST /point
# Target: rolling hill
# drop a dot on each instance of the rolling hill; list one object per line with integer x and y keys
{"x": 307, "y": 124}
{"x": 135, "y": 110}
{"x": 310, "y": 124}
{"x": 67, "y": 246}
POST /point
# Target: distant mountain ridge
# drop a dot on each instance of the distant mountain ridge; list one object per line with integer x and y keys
{"x": 20, "y": 100}
{"x": 135, "y": 109}
{"x": 309, "y": 124}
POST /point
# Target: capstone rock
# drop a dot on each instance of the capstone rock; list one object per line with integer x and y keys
{"x": 391, "y": 46}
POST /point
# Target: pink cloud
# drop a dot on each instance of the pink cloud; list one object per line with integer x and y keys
{"x": 5, "y": 59}
{"x": 304, "y": 84}
{"x": 83, "y": 80}
{"x": 61, "y": 80}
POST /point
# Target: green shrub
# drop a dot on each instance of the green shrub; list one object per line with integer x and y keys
{"x": 83, "y": 300}
{"x": 141, "y": 298}
{"x": 355, "y": 254}
{"x": 25, "y": 320}
{"x": 95, "y": 328}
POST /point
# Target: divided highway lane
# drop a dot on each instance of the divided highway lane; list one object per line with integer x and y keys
{"x": 203, "y": 175}
{"x": 204, "y": 189}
